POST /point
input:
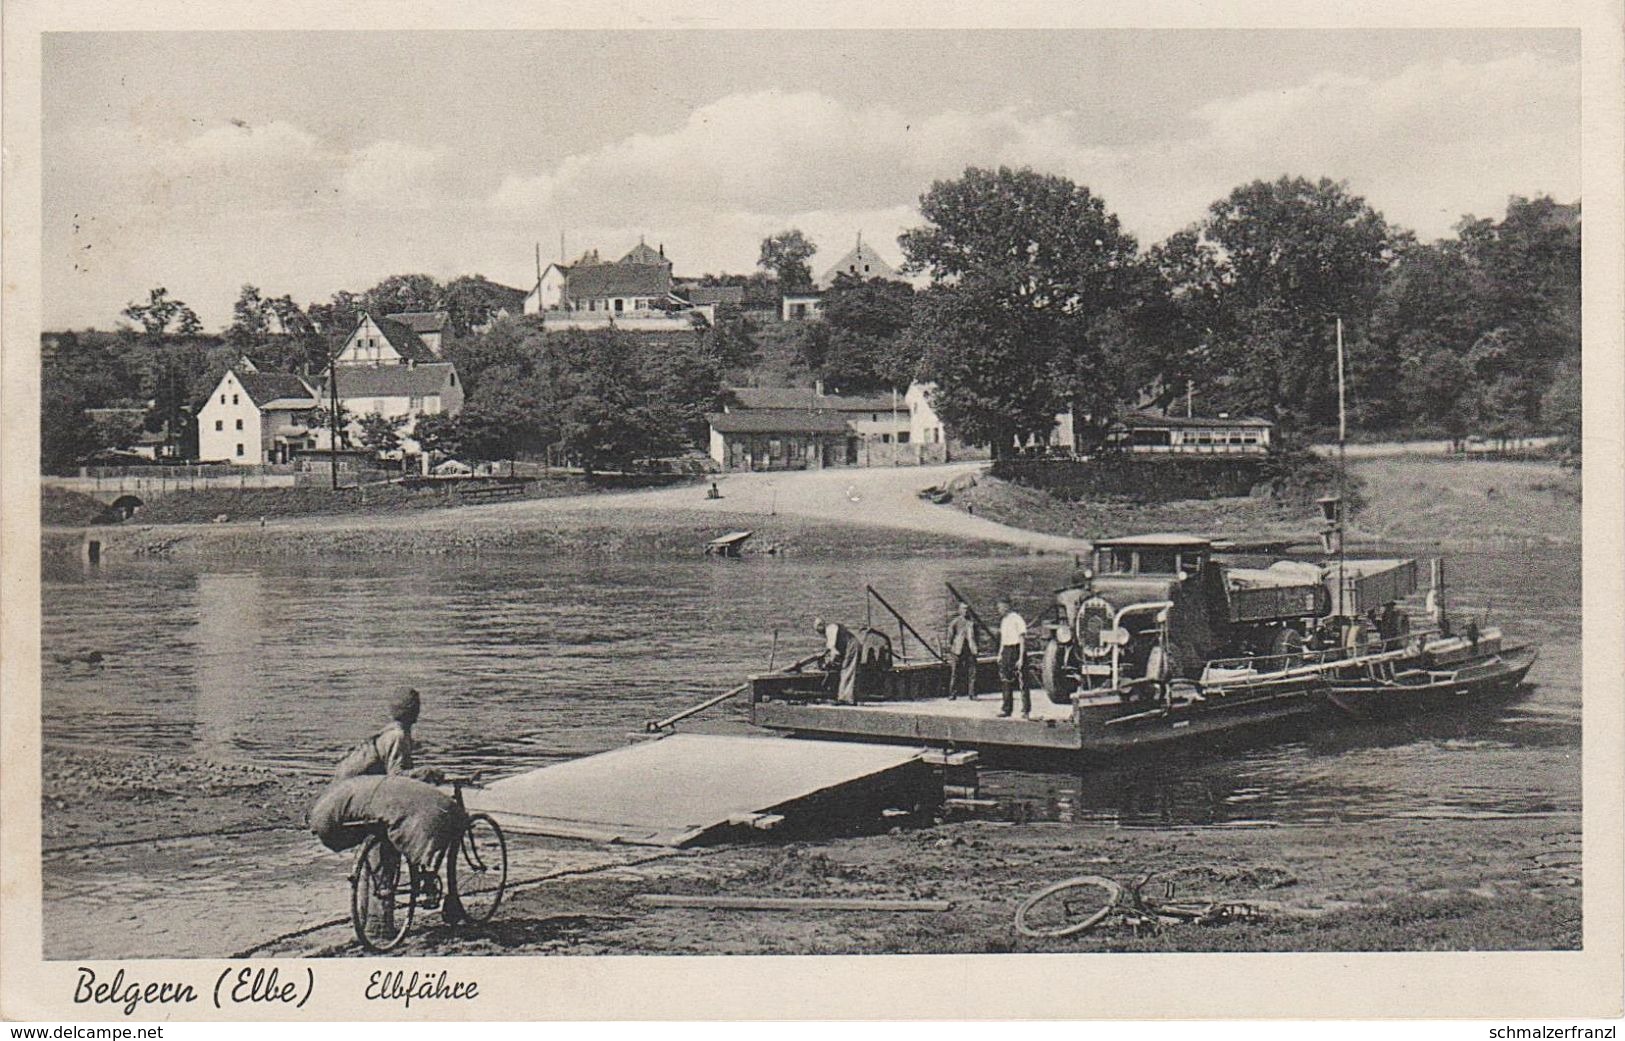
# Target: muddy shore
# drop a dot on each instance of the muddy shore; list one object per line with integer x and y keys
{"x": 138, "y": 847}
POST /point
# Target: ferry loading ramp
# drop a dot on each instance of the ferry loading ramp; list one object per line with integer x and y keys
{"x": 687, "y": 788}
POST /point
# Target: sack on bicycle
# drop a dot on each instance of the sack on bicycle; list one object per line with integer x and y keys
{"x": 420, "y": 820}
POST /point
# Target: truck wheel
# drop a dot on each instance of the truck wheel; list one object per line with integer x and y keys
{"x": 1058, "y": 686}
{"x": 1288, "y": 647}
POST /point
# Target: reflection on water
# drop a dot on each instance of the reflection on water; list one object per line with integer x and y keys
{"x": 526, "y": 660}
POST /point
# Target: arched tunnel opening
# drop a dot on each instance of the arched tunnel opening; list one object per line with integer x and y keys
{"x": 125, "y": 507}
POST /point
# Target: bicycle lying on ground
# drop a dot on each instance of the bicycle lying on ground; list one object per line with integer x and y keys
{"x": 387, "y": 889}
{"x": 1080, "y": 904}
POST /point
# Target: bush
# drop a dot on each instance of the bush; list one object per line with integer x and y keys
{"x": 1298, "y": 476}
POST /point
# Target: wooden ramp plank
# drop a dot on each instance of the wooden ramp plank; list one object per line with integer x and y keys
{"x": 673, "y": 791}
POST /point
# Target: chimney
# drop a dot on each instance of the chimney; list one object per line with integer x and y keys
{"x": 818, "y": 388}
{"x": 662, "y": 249}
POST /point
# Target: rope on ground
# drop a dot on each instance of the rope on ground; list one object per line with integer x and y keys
{"x": 113, "y": 843}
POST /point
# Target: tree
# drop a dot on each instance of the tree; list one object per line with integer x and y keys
{"x": 440, "y": 435}
{"x": 1276, "y": 263}
{"x": 1026, "y": 268}
{"x": 381, "y": 433}
{"x": 732, "y": 338}
{"x": 404, "y": 293}
{"x": 160, "y": 312}
{"x": 336, "y": 319}
{"x": 858, "y": 346}
{"x": 473, "y": 300}
{"x": 598, "y": 388}
{"x": 785, "y": 255}
{"x": 983, "y": 357}
{"x": 321, "y": 418}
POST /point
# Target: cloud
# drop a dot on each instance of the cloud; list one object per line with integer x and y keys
{"x": 271, "y": 166}
{"x": 1425, "y": 145}
{"x": 779, "y": 151}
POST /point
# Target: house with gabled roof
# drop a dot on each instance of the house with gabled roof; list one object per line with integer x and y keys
{"x": 383, "y": 341}
{"x": 430, "y": 326}
{"x": 638, "y": 282}
{"x": 255, "y": 417}
{"x": 861, "y": 261}
{"x": 400, "y": 392}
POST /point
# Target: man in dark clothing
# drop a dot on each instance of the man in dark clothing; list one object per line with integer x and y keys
{"x": 962, "y": 652}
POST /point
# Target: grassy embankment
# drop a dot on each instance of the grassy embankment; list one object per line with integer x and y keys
{"x": 1410, "y": 499}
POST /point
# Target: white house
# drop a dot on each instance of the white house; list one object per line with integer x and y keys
{"x": 924, "y": 425}
{"x": 638, "y": 282}
{"x": 383, "y": 341}
{"x": 256, "y": 417}
{"x": 801, "y": 307}
{"x": 548, "y": 295}
{"x": 401, "y": 392}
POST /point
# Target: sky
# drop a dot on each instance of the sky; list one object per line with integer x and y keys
{"x": 308, "y": 162}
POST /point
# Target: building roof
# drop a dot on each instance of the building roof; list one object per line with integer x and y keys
{"x": 861, "y": 261}
{"x": 423, "y": 321}
{"x": 393, "y": 381}
{"x": 1149, "y": 419}
{"x": 642, "y": 254}
{"x": 406, "y": 342}
{"x": 702, "y": 295}
{"x": 600, "y": 280}
{"x": 807, "y": 399}
{"x": 777, "y": 423}
{"x": 266, "y": 388}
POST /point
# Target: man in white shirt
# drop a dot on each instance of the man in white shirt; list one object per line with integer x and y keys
{"x": 1012, "y": 655}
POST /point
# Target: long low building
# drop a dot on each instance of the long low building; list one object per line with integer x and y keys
{"x": 802, "y": 428}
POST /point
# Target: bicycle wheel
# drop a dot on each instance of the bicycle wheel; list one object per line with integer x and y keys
{"x": 1068, "y": 907}
{"x": 482, "y": 867}
{"x": 383, "y": 895}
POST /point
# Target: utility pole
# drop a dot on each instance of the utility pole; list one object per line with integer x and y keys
{"x": 333, "y": 418}
{"x": 1342, "y": 464}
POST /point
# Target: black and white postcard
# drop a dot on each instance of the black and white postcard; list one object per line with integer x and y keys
{"x": 534, "y": 513}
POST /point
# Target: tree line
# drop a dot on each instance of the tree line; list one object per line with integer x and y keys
{"x": 1035, "y": 300}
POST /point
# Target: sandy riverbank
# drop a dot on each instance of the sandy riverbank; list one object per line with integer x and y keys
{"x": 1449, "y": 502}
{"x": 820, "y": 512}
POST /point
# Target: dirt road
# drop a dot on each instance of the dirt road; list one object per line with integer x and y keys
{"x": 877, "y": 497}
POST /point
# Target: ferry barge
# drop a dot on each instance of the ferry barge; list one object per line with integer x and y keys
{"x": 1163, "y": 639}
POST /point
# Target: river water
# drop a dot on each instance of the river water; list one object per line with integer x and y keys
{"x": 525, "y": 660}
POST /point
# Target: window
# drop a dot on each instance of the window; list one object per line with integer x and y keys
{"x": 234, "y": 399}
{"x": 222, "y": 399}
{"x": 1158, "y": 562}
{"x": 619, "y": 304}
{"x": 219, "y": 424}
{"x": 239, "y": 449}
{"x": 902, "y": 437}
{"x": 239, "y": 424}
{"x": 415, "y": 403}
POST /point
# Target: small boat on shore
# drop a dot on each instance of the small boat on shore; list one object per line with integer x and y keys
{"x": 1162, "y": 639}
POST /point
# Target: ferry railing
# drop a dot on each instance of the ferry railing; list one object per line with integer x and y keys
{"x": 1255, "y": 670}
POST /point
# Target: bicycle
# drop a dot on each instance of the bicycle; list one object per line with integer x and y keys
{"x": 1080, "y": 904}
{"x": 386, "y": 889}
